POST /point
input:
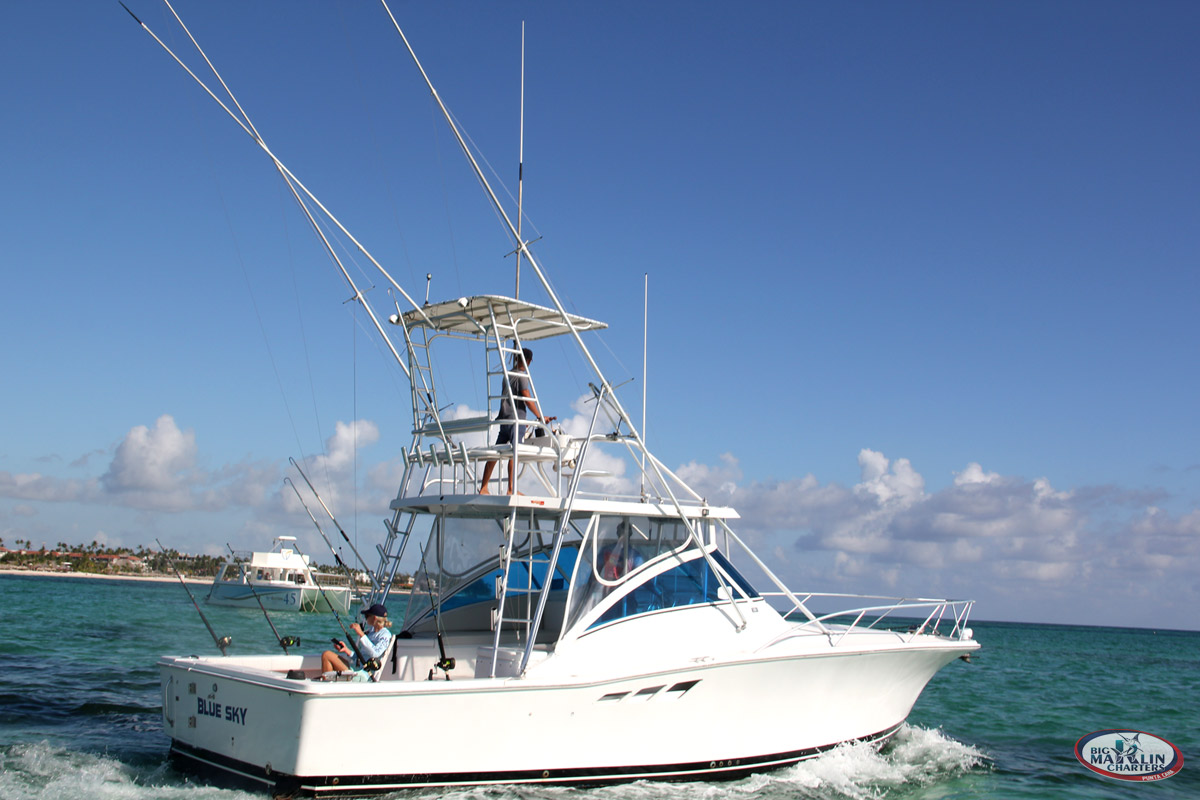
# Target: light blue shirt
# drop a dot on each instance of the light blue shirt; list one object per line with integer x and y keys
{"x": 374, "y": 643}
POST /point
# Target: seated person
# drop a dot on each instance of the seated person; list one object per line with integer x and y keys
{"x": 371, "y": 644}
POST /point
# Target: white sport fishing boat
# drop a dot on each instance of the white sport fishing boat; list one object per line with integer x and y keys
{"x": 579, "y": 631}
{"x": 281, "y": 579}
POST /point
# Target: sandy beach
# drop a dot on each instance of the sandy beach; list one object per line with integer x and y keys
{"x": 114, "y": 577}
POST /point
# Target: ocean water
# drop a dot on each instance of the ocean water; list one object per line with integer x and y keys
{"x": 80, "y": 708}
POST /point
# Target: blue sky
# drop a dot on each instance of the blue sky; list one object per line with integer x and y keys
{"x": 922, "y": 276}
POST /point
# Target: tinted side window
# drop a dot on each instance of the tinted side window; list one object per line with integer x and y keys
{"x": 688, "y": 584}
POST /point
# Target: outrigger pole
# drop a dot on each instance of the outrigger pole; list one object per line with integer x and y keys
{"x": 338, "y": 558}
{"x": 284, "y": 641}
{"x": 221, "y": 641}
{"x": 523, "y": 248}
{"x": 333, "y": 519}
{"x": 663, "y": 475}
{"x": 294, "y": 184}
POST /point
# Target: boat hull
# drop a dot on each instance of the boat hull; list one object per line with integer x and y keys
{"x": 228, "y": 770}
{"x": 709, "y": 721}
{"x": 279, "y": 598}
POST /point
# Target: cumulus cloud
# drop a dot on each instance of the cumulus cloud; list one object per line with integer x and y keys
{"x": 333, "y": 472}
{"x": 1021, "y": 540}
{"x": 35, "y": 486}
{"x": 155, "y": 468}
{"x": 983, "y": 532}
{"x": 152, "y": 467}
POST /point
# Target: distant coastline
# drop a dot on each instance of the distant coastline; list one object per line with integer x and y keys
{"x": 42, "y": 573}
{"x": 155, "y": 578}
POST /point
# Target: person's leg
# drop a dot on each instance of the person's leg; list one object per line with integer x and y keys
{"x": 332, "y": 662}
{"x": 488, "y": 469}
{"x": 504, "y": 437}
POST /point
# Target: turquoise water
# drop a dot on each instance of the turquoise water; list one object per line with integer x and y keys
{"x": 79, "y": 707}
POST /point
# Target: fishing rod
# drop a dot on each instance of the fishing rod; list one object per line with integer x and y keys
{"x": 336, "y": 556}
{"x": 371, "y": 665}
{"x": 284, "y": 641}
{"x": 221, "y": 641}
{"x": 374, "y": 583}
{"x": 444, "y": 664}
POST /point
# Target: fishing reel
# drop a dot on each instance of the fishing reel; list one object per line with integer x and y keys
{"x": 289, "y": 641}
{"x": 445, "y": 664}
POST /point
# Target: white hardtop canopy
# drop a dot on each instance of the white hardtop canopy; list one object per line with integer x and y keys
{"x": 473, "y": 316}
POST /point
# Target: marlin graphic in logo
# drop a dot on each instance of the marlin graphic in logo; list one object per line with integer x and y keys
{"x": 1127, "y": 748}
{"x": 1129, "y": 755}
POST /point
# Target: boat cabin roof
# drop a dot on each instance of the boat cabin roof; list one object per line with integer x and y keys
{"x": 473, "y": 316}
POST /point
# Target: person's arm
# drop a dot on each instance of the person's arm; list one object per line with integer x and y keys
{"x": 370, "y": 649}
{"x": 532, "y": 405}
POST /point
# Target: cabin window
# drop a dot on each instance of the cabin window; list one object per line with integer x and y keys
{"x": 519, "y": 580}
{"x": 459, "y": 548}
{"x": 617, "y": 549}
{"x": 691, "y": 583}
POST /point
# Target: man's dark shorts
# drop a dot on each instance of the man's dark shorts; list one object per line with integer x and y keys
{"x": 506, "y": 434}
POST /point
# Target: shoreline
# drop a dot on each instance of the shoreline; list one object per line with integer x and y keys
{"x": 37, "y": 573}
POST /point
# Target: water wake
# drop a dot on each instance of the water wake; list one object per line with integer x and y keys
{"x": 42, "y": 771}
{"x": 916, "y": 759}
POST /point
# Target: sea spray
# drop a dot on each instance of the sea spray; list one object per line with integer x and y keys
{"x": 917, "y": 757}
{"x": 41, "y": 771}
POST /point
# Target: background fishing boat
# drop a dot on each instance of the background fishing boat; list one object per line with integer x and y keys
{"x": 281, "y": 579}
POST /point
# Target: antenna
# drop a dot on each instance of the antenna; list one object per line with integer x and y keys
{"x": 521, "y": 166}
{"x": 645, "y": 336}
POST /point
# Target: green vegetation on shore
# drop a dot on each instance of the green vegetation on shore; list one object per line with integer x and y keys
{"x": 96, "y": 559}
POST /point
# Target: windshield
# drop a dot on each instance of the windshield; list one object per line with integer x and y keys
{"x": 462, "y": 566}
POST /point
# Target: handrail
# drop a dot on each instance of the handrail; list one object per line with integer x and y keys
{"x": 960, "y": 610}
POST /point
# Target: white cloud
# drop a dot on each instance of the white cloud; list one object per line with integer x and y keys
{"x": 334, "y": 472}
{"x": 346, "y": 441}
{"x": 153, "y": 463}
{"x": 155, "y": 469}
{"x": 35, "y": 486}
{"x": 1023, "y": 543}
{"x": 974, "y": 474}
{"x": 986, "y": 532}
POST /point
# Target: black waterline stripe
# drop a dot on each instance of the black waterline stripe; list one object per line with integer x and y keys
{"x": 205, "y": 763}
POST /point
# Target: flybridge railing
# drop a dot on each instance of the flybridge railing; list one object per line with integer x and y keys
{"x": 898, "y": 612}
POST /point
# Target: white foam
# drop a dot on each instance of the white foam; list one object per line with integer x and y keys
{"x": 915, "y": 757}
{"x": 42, "y": 771}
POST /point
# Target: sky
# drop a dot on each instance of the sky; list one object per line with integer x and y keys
{"x": 922, "y": 277}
